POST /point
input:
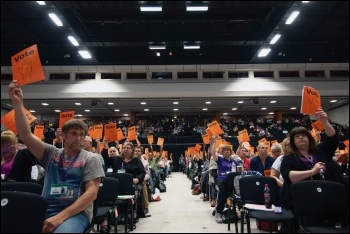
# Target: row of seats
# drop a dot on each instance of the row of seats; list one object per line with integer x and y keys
{"x": 23, "y": 209}
{"x": 322, "y": 200}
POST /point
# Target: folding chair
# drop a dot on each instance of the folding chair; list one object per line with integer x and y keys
{"x": 324, "y": 201}
{"x": 125, "y": 196}
{"x": 29, "y": 187}
{"x": 252, "y": 191}
{"x": 107, "y": 194}
{"x": 22, "y": 212}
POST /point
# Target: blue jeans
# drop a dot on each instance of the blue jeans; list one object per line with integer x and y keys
{"x": 75, "y": 224}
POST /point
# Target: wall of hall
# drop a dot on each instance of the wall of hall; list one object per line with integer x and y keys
{"x": 340, "y": 115}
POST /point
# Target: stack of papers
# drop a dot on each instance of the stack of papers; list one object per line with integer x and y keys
{"x": 258, "y": 207}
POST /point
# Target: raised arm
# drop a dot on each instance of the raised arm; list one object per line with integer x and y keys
{"x": 328, "y": 128}
{"x": 34, "y": 144}
{"x": 213, "y": 149}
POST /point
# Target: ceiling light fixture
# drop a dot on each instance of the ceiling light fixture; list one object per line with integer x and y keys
{"x": 292, "y": 17}
{"x": 275, "y": 39}
{"x": 73, "y": 40}
{"x": 44, "y": 104}
{"x": 41, "y": 3}
{"x": 32, "y": 111}
{"x": 55, "y": 19}
{"x": 151, "y": 5}
{"x": 264, "y": 52}
{"x": 155, "y": 47}
{"x": 85, "y": 54}
{"x": 192, "y": 45}
{"x": 197, "y": 5}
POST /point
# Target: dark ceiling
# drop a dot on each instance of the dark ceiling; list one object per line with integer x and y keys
{"x": 230, "y": 32}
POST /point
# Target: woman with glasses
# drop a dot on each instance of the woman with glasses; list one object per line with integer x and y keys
{"x": 15, "y": 164}
{"x": 126, "y": 162}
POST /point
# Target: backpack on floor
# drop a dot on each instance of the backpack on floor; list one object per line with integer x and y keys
{"x": 162, "y": 187}
{"x": 225, "y": 216}
{"x": 262, "y": 225}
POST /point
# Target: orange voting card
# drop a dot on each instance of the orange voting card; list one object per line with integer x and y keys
{"x": 317, "y": 125}
{"x": 8, "y": 120}
{"x": 39, "y": 131}
{"x": 120, "y": 135}
{"x": 205, "y": 138}
{"x": 160, "y": 141}
{"x": 346, "y": 143}
{"x": 243, "y": 135}
{"x": 209, "y": 133}
{"x": 110, "y": 132}
{"x": 343, "y": 158}
{"x": 262, "y": 140}
{"x": 95, "y": 131}
{"x": 65, "y": 116}
{"x": 132, "y": 133}
{"x": 26, "y": 66}
{"x": 150, "y": 139}
{"x": 215, "y": 128}
{"x": 310, "y": 101}
{"x": 197, "y": 147}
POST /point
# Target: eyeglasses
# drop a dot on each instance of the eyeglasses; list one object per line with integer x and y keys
{"x": 127, "y": 148}
{"x": 137, "y": 150}
{"x": 7, "y": 145}
{"x": 275, "y": 151}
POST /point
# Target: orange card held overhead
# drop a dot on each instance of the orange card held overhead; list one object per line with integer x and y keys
{"x": 310, "y": 101}
{"x": 317, "y": 125}
{"x": 215, "y": 128}
{"x": 8, "y": 120}
{"x": 65, "y": 116}
{"x": 110, "y": 131}
{"x": 132, "y": 133}
{"x": 26, "y": 66}
{"x": 39, "y": 131}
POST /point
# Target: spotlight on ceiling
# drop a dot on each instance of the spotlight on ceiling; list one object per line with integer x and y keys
{"x": 151, "y": 5}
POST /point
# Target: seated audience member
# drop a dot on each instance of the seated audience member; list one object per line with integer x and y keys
{"x": 308, "y": 160}
{"x": 276, "y": 166}
{"x": 78, "y": 170}
{"x": 16, "y": 164}
{"x": 204, "y": 183}
{"x": 126, "y": 162}
{"x": 243, "y": 154}
{"x": 225, "y": 165}
{"x": 144, "y": 192}
{"x": 262, "y": 162}
{"x": 87, "y": 145}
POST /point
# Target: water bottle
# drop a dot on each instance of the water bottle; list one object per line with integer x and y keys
{"x": 267, "y": 196}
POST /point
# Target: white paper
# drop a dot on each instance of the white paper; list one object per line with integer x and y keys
{"x": 258, "y": 207}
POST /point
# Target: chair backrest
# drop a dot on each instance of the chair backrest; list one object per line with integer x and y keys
{"x": 22, "y": 212}
{"x": 252, "y": 189}
{"x": 108, "y": 190}
{"x": 125, "y": 182}
{"x": 29, "y": 187}
{"x": 230, "y": 182}
{"x": 325, "y": 200}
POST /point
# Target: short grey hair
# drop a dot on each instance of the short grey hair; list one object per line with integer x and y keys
{"x": 276, "y": 146}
